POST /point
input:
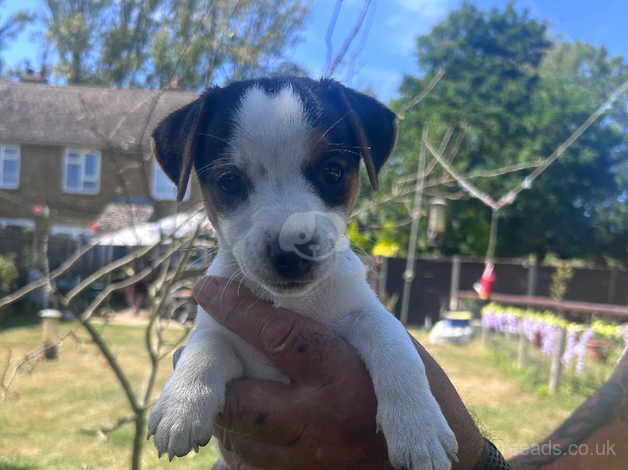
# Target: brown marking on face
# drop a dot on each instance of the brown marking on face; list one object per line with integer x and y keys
{"x": 320, "y": 153}
{"x": 353, "y": 193}
{"x": 210, "y": 206}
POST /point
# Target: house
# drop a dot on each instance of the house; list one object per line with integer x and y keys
{"x": 78, "y": 154}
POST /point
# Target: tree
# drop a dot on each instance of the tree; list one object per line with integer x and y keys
{"x": 73, "y": 29}
{"x": 124, "y": 53}
{"x": 510, "y": 96}
{"x": 152, "y": 42}
{"x": 575, "y": 209}
{"x": 490, "y": 62}
{"x": 199, "y": 42}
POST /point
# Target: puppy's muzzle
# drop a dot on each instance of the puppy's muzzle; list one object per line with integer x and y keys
{"x": 295, "y": 264}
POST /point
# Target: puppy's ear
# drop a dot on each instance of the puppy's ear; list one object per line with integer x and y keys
{"x": 374, "y": 125}
{"x": 175, "y": 139}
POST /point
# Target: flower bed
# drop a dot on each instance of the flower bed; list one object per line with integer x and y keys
{"x": 543, "y": 329}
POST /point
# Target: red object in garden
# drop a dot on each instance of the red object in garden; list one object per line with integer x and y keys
{"x": 597, "y": 350}
{"x": 40, "y": 211}
{"x": 485, "y": 286}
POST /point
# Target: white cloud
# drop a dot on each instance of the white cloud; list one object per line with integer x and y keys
{"x": 427, "y": 9}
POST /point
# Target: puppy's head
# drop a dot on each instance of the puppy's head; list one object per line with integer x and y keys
{"x": 278, "y": 163}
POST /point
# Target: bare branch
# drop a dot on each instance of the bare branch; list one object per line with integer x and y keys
{"x": 104, "y": 295}
{"x": 422, "y": 95}
{"x": 470, "y": 188}
{"x": 32, "y": 286}
{"x": 330, "y": 33}
{"x": 29, "y": 359}
{"x": 349, "y": 39}
{"x": 165, "y": 292}
{"x": 119, "y": 263}
{"x": 113, "y": 364}
{"x": 104, "y": 431}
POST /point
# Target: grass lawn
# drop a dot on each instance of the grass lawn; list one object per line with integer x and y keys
{"x": 41, "y": 421}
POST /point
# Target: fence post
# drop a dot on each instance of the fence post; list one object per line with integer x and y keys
{"x": 522, "y": 350}
{"x": 556, "y": 366}
{"x": 612, "y": 285}
{"x": 454, "y": 283}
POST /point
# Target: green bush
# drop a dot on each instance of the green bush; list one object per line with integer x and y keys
{"x": 8, "y": 275}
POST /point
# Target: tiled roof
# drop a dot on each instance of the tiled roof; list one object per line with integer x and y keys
{"x": 88, "y": 116}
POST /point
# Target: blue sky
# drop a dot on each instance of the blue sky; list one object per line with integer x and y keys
{"x": 388, "y": 52}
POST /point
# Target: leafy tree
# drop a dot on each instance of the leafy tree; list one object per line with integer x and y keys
{"x": 491, "y": 71}
{"x": 512, "y": 96}
{"x": 152, "y": 42}
{"x": 575, "y": 208}
{"x": 200, "y": 42}
{"x": 124, "y": 53}
{"x": 73, "y": 29}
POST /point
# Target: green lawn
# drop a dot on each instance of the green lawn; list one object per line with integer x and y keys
{"x": 40, "y": 423}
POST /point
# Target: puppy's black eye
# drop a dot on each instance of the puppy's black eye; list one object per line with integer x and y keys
{"x": 231, "y": 183}
{"x": 332, "y": 173}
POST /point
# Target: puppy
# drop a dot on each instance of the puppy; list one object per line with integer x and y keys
{"x": 278, "y": 161}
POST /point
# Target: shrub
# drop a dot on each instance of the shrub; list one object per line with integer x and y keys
{"x": 8, "y": 275}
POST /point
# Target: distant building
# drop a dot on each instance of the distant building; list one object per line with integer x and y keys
{"x": 84, "y": 153}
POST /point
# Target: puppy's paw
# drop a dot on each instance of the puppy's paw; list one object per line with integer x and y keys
{"x": 417, "y": 435}
{"x": 182, "y": 419}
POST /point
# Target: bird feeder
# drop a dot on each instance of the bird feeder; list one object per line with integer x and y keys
{"x": 437, "y": 220}
{"x": 50, "y": 336}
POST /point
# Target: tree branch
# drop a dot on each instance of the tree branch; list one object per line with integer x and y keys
{"x": 349, "y": 39}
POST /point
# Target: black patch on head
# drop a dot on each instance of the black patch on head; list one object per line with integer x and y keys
{"x": 355, "y": 125}
{"x": 373, "y": 126}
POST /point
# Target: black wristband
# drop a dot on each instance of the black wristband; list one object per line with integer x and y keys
{"x": 491, "y": 459}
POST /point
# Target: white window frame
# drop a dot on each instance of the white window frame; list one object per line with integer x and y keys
{"x": 4, "y": 157}
{"x": 162, "y": 196}
{"x": 6, "y": 222}
{"x": 82, "y": 153}
{"x": 71, "y": 231}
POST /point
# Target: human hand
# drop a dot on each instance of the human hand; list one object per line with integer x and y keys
{"x": 325, "y": 418}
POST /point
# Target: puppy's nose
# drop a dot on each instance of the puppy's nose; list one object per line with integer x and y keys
{"x": 288, "y": 264}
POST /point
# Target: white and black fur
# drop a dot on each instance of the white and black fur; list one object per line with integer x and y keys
{"x": 263, "y": 151}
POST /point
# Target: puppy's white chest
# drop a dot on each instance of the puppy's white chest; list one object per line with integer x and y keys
{"x": 343, "y": 293}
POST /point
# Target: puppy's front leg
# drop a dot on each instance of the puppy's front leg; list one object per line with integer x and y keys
{"x": 183, "y": 417}
{"x": 416, "y": 432}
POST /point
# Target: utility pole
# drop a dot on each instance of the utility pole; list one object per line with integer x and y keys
{"x": 408, "y": 275}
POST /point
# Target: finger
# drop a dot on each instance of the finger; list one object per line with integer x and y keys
{"x": 306, "y": 351}
{"x": 248, "y": 452}
{"x": 266, "y": 411}
{"x": 231, "y": 461}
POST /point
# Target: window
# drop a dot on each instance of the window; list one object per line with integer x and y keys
{"x": 9, "y": 166}
{"x": 81, "y": 171}
{"x": 70, "y": 231}
{"x": 26, "y": 224}
{"x": 163, "y": 189}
